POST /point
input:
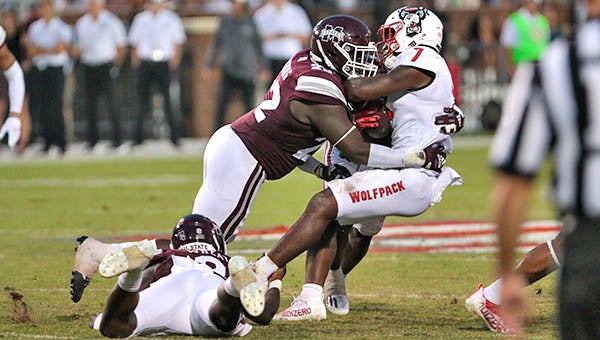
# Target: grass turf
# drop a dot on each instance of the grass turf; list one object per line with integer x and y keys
{"x": 45, "y": 205}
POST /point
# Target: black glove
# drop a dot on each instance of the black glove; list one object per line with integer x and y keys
{"x": 435, "y": 157}
{"x": 451, "y": 121}
{"x": 331, "y": 172}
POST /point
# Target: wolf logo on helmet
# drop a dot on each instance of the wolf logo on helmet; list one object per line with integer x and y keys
{"x": 412, "y": 17}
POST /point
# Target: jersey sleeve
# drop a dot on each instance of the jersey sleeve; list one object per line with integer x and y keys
{"x": 421, "y": 57}
{"x": 524, "y": 134}
{"x": 320, "y": 88}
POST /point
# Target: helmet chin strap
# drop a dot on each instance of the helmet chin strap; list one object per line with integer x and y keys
{"x": 325, "y": 59}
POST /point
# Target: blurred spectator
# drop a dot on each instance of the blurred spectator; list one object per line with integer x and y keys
{"x": 47, "y": 45}
{"x": 237, "y": 50}
{"x": 525, "y": 34}
{"x": 285, "y": 29}
{"x": 156, "y": 38}
{"x": 483, "y": 37}
{"x": 100, "y": 45}
{"x": 551, "y": 13}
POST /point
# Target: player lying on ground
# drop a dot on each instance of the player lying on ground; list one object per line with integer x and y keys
{"x": 542, "y": 260}
{"x": 373, "y": 193}
{"x": 192, "y": 289}
{"x": 419, "y": 83}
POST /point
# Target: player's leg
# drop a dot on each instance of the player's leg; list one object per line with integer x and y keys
{"x": 88, "y": 255}
{"x": 536, "y": 264}
{"x": 309, "y": 304}
{"x": 232, "y": 178}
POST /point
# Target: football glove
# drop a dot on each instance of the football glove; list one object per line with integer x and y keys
{"x": 452, "y": 121}
{"x": 331, "y": 172}
{"x": 435, "y": 157}
{"x": 12, "y": 127}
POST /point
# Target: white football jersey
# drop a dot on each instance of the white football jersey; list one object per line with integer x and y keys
{"x": 413, "y": 125}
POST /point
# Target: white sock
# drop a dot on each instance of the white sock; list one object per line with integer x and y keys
{"x": 492, "y": 292}
{"x": 131, "y": 281}
{"x": 230, "y": 288}
{"x": 265, "y": 267}
{"x": 119, "y": 246}
{"x": 312, "y": 291}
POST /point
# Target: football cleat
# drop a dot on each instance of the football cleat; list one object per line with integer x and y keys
{"x": 244, "y": 280}
{"x": 129, "y": 258}
{"x": 486, "y": 310}
{"x": 303, "y": 309}
{"x": 88, "y": 254}
{"x": 337, "y": 299}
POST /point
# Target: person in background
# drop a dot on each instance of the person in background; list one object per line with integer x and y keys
{"x": 156, "y": 38}
{"x": 47, "y": 46}
{"x": 525, "y": 34}
{"x": 101, "y": 46}
{"x": 237, "y": 50}
{"x": 285, "y": 29}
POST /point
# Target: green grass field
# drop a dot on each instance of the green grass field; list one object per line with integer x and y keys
{"x": 45, "y": 205}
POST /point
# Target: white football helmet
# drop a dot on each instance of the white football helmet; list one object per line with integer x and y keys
{"x": 407, "y": 27}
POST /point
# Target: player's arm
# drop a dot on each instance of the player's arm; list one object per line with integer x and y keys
{"x": 322, "y": 171}
{"x": 333, "y": 123}
{"x": 398, "y": 80}
{"x": 272, "y": 298}
{"x": 16, "y": 94}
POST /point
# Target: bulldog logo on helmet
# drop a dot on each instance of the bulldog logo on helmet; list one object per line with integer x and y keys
{"x": 331, "y": 34}
{"x": 411, "y": 17}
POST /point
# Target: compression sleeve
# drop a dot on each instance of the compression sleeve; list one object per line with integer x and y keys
{"x": 16, "y": 87}
{"x": 383, "y": 157}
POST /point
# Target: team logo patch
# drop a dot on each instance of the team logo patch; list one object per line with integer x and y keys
{"x": 332, "y": 34}
{"x": 412, "y": 17}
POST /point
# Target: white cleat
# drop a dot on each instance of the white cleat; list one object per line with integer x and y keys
{"x": 303, "y": 309}
{"x": 130, "y": 258}
{"x": 88, "y": 255}
{"x": 252, "y": 292}
{"x": 337, "y": 299}
{"x": 485, "y": 310}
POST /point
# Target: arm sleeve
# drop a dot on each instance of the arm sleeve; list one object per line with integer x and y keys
{"x": 310, "y": 165}
{"x": 383, "y": 157}
{"x": 16, "y": 87}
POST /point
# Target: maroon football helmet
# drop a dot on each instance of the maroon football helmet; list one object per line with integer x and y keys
{"x": 342, "y": 43}
{"x": 196, "y": 233}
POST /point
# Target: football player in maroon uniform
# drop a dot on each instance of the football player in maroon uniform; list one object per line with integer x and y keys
{"x": 192, "y": 288}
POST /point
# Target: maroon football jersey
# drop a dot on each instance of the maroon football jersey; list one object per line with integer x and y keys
{"x": 273, "y": 136}
{"x": 216, "y": 261}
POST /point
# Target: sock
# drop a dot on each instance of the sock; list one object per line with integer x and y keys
{"x": 264, "y": 268}
{"x": 492, "y": 292}
{"x": 131, "y": 281}
{"x": 312, "y": 291}
{"x": 119, "y": 246}
{"x": 230, "y": 288}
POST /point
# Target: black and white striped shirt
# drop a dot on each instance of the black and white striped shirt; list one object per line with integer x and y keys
{"x": 554, "y": 106}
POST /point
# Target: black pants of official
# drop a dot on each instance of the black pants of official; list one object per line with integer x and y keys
{"x": 230, "y": 84}
{"x": 98, "y": 83}
{"x": 579, "y": 288}
{"x": 151, "y": 73}
{"x": 47, "y": 90}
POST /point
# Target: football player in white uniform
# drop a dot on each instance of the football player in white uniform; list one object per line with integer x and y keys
{"x": 16, "y": 92}
{"x": 421, "y": 83}
{"x": 190, "y": 288}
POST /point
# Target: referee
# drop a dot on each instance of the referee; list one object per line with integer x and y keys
{"x": 101, "y": 44}
{"x": 156, "y": 37}
{"x": 553, "y": 107}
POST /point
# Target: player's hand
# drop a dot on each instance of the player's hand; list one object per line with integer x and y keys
{"x": 367, "y": 119}
{"x": 278, "y": 274}
{"x": 435, "y": 157}
{"x": 452, "y": 121}
{"x": 331, "y": 172}
{"x": 12, "y": 127}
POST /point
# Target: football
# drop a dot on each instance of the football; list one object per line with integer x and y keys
{"x": 375, "y": 108}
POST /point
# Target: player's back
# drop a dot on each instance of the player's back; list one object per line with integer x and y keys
{"x": 277, "y": 140}
{"x": 413, "y": 125}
